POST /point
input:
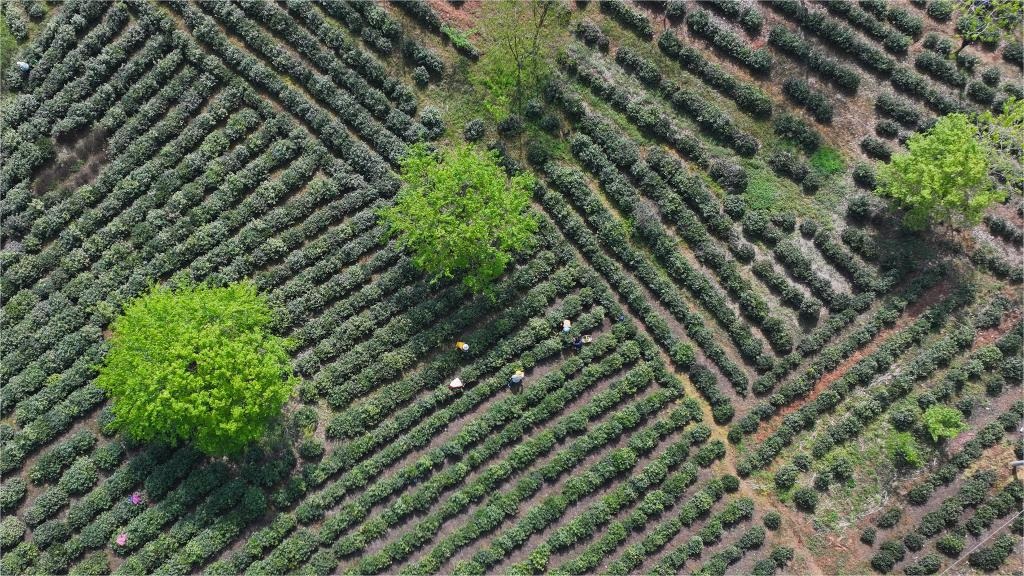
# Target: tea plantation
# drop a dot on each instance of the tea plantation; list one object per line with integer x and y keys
{"x": 767, "y": 344}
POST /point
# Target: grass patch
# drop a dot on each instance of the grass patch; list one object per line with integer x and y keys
{"x": 828, "y": 161}
{"x": 8, "y": 44}
{"x": 762, "y": 190}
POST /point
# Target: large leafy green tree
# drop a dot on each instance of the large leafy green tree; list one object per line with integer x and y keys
{"x": 459, "y": 214}
{"x": 197, "y": 364}
{"x": 944, "y": 176}
{"x": 943, "y": 422}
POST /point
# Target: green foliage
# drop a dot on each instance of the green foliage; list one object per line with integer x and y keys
{"x": 806, "y": 499}
{"x": 943, "y": 178}
{"x": 197, "y": 364}
{"x": 828, "y": 161}
{"x": 903, "y": 450}
{"x": 987, "y": 21}
{"x": 460, "y": 214}
{"x": 1004, "y": 134}
{"x": 943, "y": 422}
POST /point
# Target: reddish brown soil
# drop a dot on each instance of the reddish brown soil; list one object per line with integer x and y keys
{"x": 462, "y": 17}
{"x": 79, "y": 158}
{"x": 931, "y": 297}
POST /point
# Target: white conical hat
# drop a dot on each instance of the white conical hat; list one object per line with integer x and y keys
{"x": 455, "y": 383}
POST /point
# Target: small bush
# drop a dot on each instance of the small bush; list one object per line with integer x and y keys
{"x": 421, "y": 76}
{"x": 785, "y": 477}
{"x": 951, "y": 545}
{"x": 867, "y": 536}
{"x": 875, "y": 148}
{"x": 991, "y": 76}
{"x": 772, "y": 520}
{"x": 1014, "y": 53}
{"x": 474, "y": 131}
{"x": 889, "y": 518}
{"x": 805, "y": 499}
{"x": 940, "y": 10}
{"x": 913, "y": 541}
{"x": 797, "y": 131}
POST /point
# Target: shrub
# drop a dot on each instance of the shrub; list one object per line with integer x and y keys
{"x": 797, "y": 90}
{"x": 751, "y": 20}
{"x": 883, "y": 561}
{"x": 991, "y": 76}
{"x": 729, "y": 175}
{"x": 11, "y": 531}
{"x": 628, "y": 17}
{"x": 12, "y": 492}
{"x": 905, "y": 22}
{"x": 474, "y": 131}
{"x": 1014, "y": 53}
{"x": 806, "y": 499}
{"x": 797, "y": 131}
{"x": 875, "y": 148}
{"x": 991, "y": 558}
{"x": 786, "y": 477}
{"x": 420, "y": 76}
{"x": 981, "y": 93}
{"x": 80, "y": 477}
{"x": 867, "y": 536}
{"x": 730, "y": 483}
{"x": 940, "y": 10}
{"x": 772, "y": 520}
{"x": 789, "y": 165}
{"x": 432, "y": 121}
{"x": 734, "y": 206}
{"x": 951, "y": 545}
{"x": 887, "y": 128}
{"x": 913, "y": 541}
{"x": 591, "y": 35}
{"x": 898, "y": 108}
{"x": 512, "y": 125}
{"x": 864, "y": 175}
{"x": 675, "y": 10}
{"x": 311, "y": 449}
{"x": 700, "y": 23}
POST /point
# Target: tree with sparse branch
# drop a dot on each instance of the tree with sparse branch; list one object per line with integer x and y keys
{"x": 520, "y": 41}
{"x": 943, "y": 422}
{"x": 197, "y": 364}
{"x": 987, "y": 20}
{"x": 460, "y": 214}
{"x": 943, "y": 178}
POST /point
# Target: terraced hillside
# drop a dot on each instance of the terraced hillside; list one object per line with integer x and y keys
{"x": 762, "y": 327}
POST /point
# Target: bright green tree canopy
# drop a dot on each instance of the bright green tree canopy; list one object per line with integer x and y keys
{"x": 197, "y": 364}
{"x": 459, "y": 214}
{"x": 943, "y": 422}
{"x": 943, "y": 178}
